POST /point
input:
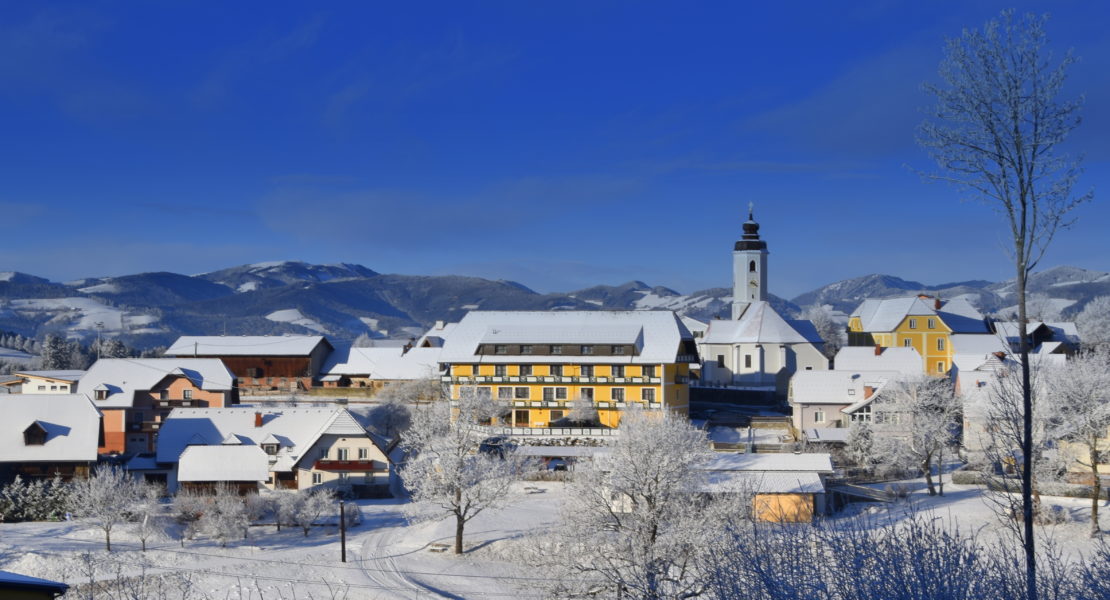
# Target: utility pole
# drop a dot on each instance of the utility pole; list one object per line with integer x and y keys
{"x": 342, "y": 532}
{"x": 99, "y": 326}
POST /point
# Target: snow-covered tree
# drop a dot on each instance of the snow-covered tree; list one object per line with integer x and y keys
{"x": 1094, "y": 322}
{"x": 583, "y": 411}
{"x": 55, "y": 353}
{"x": 390, "y": 418}
{"x": 1080, "y": 396}
{"x": 147, "y": 512}
{"x": 915, "y": 420}
{"x": 304, "y": 507}
{"x": 860, "y": 445}
{"x": 104, "y": 498}
{"x": 446, "y": 469}
{"x": 833, "y": 332}
{"x": 995, "y": 133}
{"x": 636, "y": 523}
{"x": 225, "y": 516}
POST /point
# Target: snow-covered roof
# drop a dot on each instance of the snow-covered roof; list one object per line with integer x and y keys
{"x": 763, "y": 482}
{"x": 18, "y": 583}
{"x": 71, "y": 422}
{"x": 122, "y": 377}
{"x": 656, "y": 334}
{"x": 296, "y": 429}
{"x": 815, "y": 462}
{"x": 694, "y": 325}
{"x": 245, "y": 345}
{"x": 838, "y": 386}
{"x": 1061, "y": 332}
{"x": 961, "y": 317}
{"x": 885, "y": 314}
{"x": 437, "y": 335}
{"x": 384, "y": 363}
{"x": 63, "y": 375}
{"x": 761, "y": 324}
{"x": 978, "y": 343}
{"x": 223, "y": 463}
{"x": 905, "y": 360}
{"x": 836, "y": 435}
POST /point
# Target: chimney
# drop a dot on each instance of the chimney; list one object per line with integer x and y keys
{"x": 878, "y": 350}
{"x": 258, "y": 419}
{"x": 868, "y": 391}
{"x": 999, "y": 355}
{"x": 440, "y": 324}
{"x": 936, "y": 304}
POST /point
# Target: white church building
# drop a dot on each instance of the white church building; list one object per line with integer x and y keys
{"x": 757, "y": 349}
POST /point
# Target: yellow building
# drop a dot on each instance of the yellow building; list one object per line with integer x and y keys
{"x": 923, "y": 323}
{"x": 540, "y": 363}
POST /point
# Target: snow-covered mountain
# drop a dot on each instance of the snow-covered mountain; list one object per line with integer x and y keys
{"x": 345, "y": 300}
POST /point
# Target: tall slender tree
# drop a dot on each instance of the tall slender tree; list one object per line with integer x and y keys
{"x": 995, "y": 132}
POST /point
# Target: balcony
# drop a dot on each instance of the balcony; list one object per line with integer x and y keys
{"x": 361, "y": 466}
{"x": 589, "y": 380}
{"x": 175, "y": 402}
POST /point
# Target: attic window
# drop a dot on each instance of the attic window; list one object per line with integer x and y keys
{"x": 34, "y": 435}
{"x": 270, "y": 449}
{"x": 101, "y": 394}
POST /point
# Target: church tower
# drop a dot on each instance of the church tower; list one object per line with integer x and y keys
{"x": 749, "y": 267}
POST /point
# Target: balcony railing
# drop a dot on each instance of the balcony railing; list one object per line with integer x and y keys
{"x": 472, "y": 380}
{"x": 174, "y": 402}
{"x": 348, "y": 465}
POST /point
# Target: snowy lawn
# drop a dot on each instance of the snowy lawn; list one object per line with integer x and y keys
{"x": 388, "y": 557}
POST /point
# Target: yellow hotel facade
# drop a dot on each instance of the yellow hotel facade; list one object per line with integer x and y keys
{"x": 539, "y": 363}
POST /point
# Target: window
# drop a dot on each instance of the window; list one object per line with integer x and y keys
{"x": 34, "y": 435}
{"x": 317, "y": 478}
{"x": 751, "y": 267}
{"x": 913, "y": 323}
{"x": 500, "y": 349}
{"x": 526, "y": 349}
{"x": 809, "y": 367}
{"x": 851, "y": 391}
{"x": 648, "y": 394}
{"x": 363, "y": 453}
{"x": 556, "y": 370}
{"x": 586, "y": 393}
{"x": 931, "y": 323}
{"x": 341, "y": 453}
{"x": 164, "y": 395}
{"x": 548, "y": 394}
{"x": 747, "y": 361}
{"x": 42, "y": 388}
{"x": 499, "y": 370}
{"x": 616, "y": 350}
{"x": 520, "y": 393}
{"x": 587, "y": 370}
{"x": 101, "y": 394}
{"x": 560, "y": 393}
{"x": 53, "y": 388}
{"x": 617, "y": 395}
{"x": 270, "y": 449}
{"x": 556, "y": 415}
{"x": 940, "y": 366}
{"x": 556, "y": 349}
{"x": 720, "y": 361}
{"x": 63, "y": 388}
{"x": 187, "y": 394}
{"x": 818, "y": 416}
{"x": 483, "y": 392}
{"x": 505, "y": 393}
{"x": 649, "y": 371}
{"x": 618, "y": 370}
{"x": 255, "y": 372}
{"x": 940, "y": 343}
{"x": 525, "y": 370}
{"x": 586, "y": 349}
{"x": 520, "y": 418}
{"x": 907, "y": 342}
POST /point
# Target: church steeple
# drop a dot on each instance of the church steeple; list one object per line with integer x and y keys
{"x": 749, "y": 267}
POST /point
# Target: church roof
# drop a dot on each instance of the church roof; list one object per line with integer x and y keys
{"x": 761, "y": 323}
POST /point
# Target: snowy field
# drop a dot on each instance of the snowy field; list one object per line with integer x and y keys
{"x": 390, "y": 558}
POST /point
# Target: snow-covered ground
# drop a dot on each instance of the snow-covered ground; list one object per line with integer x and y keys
{"x": 15, "y": 356}
{"x": 391, "y": 557}
{"x": 296, "y": 317}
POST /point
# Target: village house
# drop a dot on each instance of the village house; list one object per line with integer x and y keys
{"x": 375, "y": 368}
{"x": 822, "y": 399}
{"x": 279, "y": 448}
{"x": 42, "y": 435}
{"x": 757, "y": 349}
{"x": 1044, "y": 338}
{"x": 262, "y": 364}
{"x": 136, "y": 394}
{"x": 539, "y": 363}
{"x": 48, "y": 382}
{"x": 785, "y": 488}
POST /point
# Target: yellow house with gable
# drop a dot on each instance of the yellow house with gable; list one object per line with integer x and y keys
{"x": 924, "y": 323}
{"x": 540, "y": 363}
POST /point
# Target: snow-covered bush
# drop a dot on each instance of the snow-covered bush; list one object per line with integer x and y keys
{"x": 34, "y": 500}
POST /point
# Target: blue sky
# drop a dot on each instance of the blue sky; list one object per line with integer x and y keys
{"x": 557, "y": 144}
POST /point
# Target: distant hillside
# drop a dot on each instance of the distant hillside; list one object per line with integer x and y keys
{"x": 346, "y": 300}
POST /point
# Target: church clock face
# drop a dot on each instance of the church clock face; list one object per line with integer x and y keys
{"x": 753, "y": 283}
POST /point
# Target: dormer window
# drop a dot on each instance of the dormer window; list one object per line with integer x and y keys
{"x": 101, "y": 394}
{"x": 34, "y": 435}
{"x": 500, "y": 349}
{"x": 617, "y": 350}
{"x": 270, "y": 449}
{"x": 586, "y": 350}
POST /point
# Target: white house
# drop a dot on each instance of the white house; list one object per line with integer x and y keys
{"x": 43, "y": 435}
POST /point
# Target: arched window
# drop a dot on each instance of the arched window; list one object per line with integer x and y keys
{"x": 751, "y": 267}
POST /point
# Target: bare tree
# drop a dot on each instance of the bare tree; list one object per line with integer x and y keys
{"x": 104, "y": 498}
{"x": 637, "y": 522}
{"x": 834, "y": 333}
{"x": 995, "y": 132}
{"x": 449, "y": 470}
{"x": 1080, "y": 392}
{"x": 915, "y": 420}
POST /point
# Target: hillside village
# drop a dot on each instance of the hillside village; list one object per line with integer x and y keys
{"x": 789, "y": 407}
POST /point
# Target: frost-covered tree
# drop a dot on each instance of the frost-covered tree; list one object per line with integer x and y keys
{"x": 636, "y": 522}
{"x": 833, "y": 332}
{"x": 583, "y": 411}
{"x": 446, "y": 469}
{"x": 1080, "y": 395}
{"x": 224, "y": 517}
{"x": 1094, "y": 322}
{"x": 915, "y": 420}
{"x": 147, "y": 512}
{"x": 995, "y": 133}
{"x": 55, "y": 353}
{"x": 104, "y": 498}
{"x": 390, "y": 418}
{"x": 304, "y": 507}
{"x": 860, "y": 445}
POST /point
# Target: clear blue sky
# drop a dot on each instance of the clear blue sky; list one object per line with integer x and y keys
{"x": 559, "y": 144}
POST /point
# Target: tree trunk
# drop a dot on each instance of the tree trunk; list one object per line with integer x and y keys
{"x": 108, "y": 539}
{"x": 459, "y": 523}
{"x": 927, "y": 467}
{"x": 1027, "y": 427}
{"x": 1096, "y": 490}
